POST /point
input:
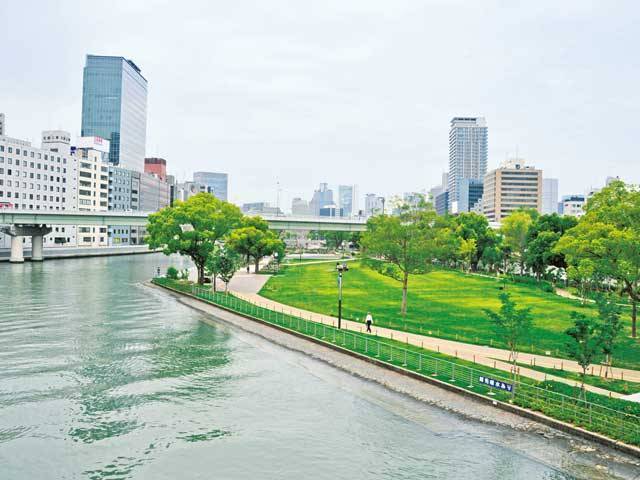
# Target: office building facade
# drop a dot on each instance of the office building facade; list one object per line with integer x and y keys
{"x": 34, "y": 178}
{"x": 322, "y": 197}
{"x": 573, "y": 205}
{"x": 373, "y": 204}
{"x": 156, "y": 166}
{"x": 218, "y": 183}
{"x": 124, "y": 195}
{"x": 348, "y": 200}
{"x": 114, "y": 107}
{"x": 468, "y": 152}
{"x": 511, "y": 187}
{"x": 300, "y": 207}
{"x": 549, "y": 195}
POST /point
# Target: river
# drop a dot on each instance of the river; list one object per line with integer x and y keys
{"x": 102, "y": 377}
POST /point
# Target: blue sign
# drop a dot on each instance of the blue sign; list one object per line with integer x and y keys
{"x": 496, "y": 383}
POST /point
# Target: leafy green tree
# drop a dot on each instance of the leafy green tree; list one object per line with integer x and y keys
{"x": 411, "y": 241}
{"x": 222, "y": 263}
{"x": 471, "y": 226}
{"x": 192, "y": 227}
{"x": 583, "y": 274}
{"x": 466, "y": 252}
{"x": 515, "y": 229}
{"x": 513, "y": 324}
{"x": 255, "y": 241}
{"x": 542, "y": 237}
{"x": 585, "y": 345}
{"x": 608, "y": 235}
{"x": 172, "y": 273}
{"x": 609, "y": 328}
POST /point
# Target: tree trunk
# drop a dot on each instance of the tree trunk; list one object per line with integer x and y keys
{"x": 405, "y": 282}
{"x": 634, "y": 316}
{"x": 200, "y": 273}
{"x": 257, "y": 265}
{"x": 213, "y": 280}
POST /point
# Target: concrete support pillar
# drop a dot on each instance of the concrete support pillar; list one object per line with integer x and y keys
{"x": 36, "y": 248}
{"x": 17, "y": 250}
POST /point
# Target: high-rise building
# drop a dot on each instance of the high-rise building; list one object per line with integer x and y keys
{"x": 157, "y": 167}
{"x": 373, "y": 204}
{"x": 468, "y": 150}
{"x": 348, "y": 200}
{"x": 300, "y": 207}
{"x": 511, "y": 187}
{"x": 549, "y": 195}
{"x": 469, "y": 195}
{"x": 114, "y": 107}
{"x": 321, "y": 198}
{"x": 217, "y": 183}
{"x": 2, "y": 124}
{"x": 441, "y": 203}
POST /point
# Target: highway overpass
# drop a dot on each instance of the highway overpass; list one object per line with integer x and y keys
{"x": 37, "y": 223}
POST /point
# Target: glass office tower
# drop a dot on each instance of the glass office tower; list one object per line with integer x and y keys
{"x": 114, "y": 107}
{"x": 468, "y": 151}
{"x": 216, "y": 181}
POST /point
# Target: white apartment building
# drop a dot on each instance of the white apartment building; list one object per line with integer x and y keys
{"x": 39, "y": 179}
{"x": 511, "y": 187}
{"x": 93, "y": 187}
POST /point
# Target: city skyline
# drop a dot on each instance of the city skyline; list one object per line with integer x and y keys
{"x": 246, "y": 123}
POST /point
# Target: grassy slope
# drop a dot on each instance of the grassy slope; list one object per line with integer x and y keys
{"x": 446, "y": 303}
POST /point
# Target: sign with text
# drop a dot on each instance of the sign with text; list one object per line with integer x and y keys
{"x": 496, "y": 383}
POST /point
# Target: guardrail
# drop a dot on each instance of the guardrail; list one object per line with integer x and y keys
{"x": 615, "y": 423}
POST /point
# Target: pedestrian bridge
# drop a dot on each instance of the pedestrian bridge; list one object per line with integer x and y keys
{"x": 37, "y": 223}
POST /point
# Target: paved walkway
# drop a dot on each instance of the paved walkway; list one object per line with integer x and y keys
{"x": 246, "y": 286}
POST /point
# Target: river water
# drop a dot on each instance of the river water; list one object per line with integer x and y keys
{"x": 102, "y": 377}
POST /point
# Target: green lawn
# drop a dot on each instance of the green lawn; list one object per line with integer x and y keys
{"x": 614, "y": 385}
{"x": 442, "y": 303}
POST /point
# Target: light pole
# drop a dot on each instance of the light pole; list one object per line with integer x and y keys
{"x": 340, "y": 268}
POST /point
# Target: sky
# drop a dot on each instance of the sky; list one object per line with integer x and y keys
{"x": 294, "y": 93}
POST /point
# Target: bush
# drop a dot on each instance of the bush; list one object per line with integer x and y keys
{"x": 172, "y": 273}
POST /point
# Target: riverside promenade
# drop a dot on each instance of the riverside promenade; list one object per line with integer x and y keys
{"x": 247, "y": 286}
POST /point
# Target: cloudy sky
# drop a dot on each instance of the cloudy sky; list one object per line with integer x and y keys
{"x": 362, "y": 92}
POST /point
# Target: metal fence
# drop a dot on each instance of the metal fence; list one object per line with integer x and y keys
{"x": 613, "y": 422}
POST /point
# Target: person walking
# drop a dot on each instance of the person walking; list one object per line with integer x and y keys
{"x": 368, "y": 320}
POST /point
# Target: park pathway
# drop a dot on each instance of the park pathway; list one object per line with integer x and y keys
{"x": 247, "y": 286}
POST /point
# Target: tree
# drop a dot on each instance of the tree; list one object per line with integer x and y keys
{"x": 467, "y": 252}
{"x": 542, "y": 237}
{"x": 192, "y": 227}
{"x": 585, "y": 345}
{"x": 411, "y": 241}
{"x": 583, "y": 274}
{"x": 512, "y": 323}
{"x": 471, "y": 226}
{"x": 608, "y": 235}
{"x": 515, "y": 229}
{"x": 609, "y": 328}
{"x": 255, "y": 240}
{"x": 222, "y": 263}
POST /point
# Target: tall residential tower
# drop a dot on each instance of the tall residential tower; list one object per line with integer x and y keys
{"x": 114, "y": 107}
{"x": 468, "y": 150}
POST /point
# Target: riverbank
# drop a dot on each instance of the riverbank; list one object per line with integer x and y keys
{"x": 423, "y": 388}
{"x": 75, "y": 252}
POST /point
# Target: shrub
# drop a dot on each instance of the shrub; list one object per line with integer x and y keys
{"x": 172, "y": 273}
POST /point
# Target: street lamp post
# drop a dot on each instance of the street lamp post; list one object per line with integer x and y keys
{"x": 340, "y": 268}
